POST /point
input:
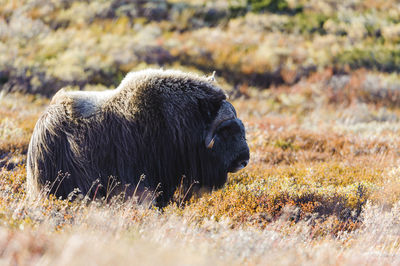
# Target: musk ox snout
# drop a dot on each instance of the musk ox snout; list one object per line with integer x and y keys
{"x": 240, "y": 163}
{"x": 160, "y": 124}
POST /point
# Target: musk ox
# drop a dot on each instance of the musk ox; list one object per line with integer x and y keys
{"x": 160, "y": 124}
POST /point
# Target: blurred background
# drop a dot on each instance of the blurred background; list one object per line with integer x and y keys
{"x": 253, "y": 45}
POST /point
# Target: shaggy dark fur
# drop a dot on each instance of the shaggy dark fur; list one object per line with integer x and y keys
{"x": 155, "y": 123}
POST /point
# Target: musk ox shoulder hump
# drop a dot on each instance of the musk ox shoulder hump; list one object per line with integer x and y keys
{"x": 174, "y": 80}
{"x": 139, "y": 86}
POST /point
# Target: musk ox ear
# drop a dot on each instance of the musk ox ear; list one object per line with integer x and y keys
{"x": 212, "y": 77}
{"x": 226, "y": 112}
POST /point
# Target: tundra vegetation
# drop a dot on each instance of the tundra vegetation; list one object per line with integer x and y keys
{"x": 316, "y": 84}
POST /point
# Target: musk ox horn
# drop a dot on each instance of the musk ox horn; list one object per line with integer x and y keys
{"x": 226, "y": 112}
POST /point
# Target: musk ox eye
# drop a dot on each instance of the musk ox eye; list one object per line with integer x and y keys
{"x": 229, "y": 127}
{"x": 226, "y": 132}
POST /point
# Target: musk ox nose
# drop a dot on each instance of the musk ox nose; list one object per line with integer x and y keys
{"x": 238, "y": 164}
{"x": 243, "y": 163}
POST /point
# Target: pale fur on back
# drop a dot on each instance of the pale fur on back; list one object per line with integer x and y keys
{"x": 87, "y": 103}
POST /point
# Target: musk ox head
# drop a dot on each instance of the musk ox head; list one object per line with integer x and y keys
{"x": 226, "y": 137}
{"x": 160, "y": 124}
